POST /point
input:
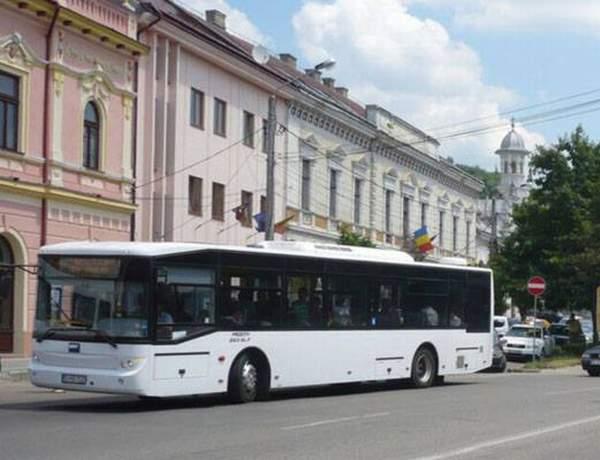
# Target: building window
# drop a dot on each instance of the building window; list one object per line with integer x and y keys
{"x": 246, "y": 209}
{"x": 333, "y": 185}
{"x": 91, "y": 136}
{"x": 195, "y": 196}
{"x": 388, "y": 211}
{"x": 305, "y": 185}
{"x": 454, "y": 232}
{"x": 357, "y": 200}
{"x": 423, "y": 214}
{"x": 9, "y": 111}
{"x": 441, "y": 229}
{"x": 406, "y": 217}
{"x": 248, "y": 129}
{"x": 197, "y": 109}
{"x": 265, "y": 134}
{"x": 220, "y": 121}
{"x": 218, "y": 201}
{"x": 263, "y": 204}
{"x": 468, "y": 246}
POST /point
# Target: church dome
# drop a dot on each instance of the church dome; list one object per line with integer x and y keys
{"x": 512, "y": 141}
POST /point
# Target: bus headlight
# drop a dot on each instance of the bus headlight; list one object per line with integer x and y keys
{"x": 131, "y": 363}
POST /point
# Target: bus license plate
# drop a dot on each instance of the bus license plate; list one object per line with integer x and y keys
{"x": 74, "y": 379}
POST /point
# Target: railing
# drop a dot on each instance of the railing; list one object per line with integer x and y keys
{"x": 102, "y": 14}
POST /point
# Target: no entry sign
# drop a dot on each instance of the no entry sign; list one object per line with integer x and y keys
{"x": 536, "y": 285}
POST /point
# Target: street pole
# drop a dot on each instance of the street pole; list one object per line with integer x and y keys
{"x": 271, "y": 128}
{"x": 534, "y": 325}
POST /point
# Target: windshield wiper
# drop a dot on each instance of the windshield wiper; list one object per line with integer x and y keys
{"x": 98, "y": 332}
{"x": 53, "y": 330}
{"x": 104, "y": 335}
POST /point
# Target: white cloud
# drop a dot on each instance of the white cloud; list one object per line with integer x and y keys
{"x": 577, "y": 15}
{"x": 410, "y": 66}
{"x": 238, "y": 22}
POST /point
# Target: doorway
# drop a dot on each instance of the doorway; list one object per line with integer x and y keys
{"x": 7, "y": 289}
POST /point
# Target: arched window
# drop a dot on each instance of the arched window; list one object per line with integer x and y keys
{"x": 513, "y": 167}
{"x": 91, "y": 136}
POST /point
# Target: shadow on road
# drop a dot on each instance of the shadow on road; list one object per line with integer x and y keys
{"x": 132, "y": 404}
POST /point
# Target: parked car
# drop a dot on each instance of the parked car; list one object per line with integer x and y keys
{"x": 501, "y": 325}
{"x": 587, "y": 326}
{"x": 587, "y": 329}
{"x": 560, "y": 332}
{"x": 526, "y": 341}
{"x": 590, "y": 361}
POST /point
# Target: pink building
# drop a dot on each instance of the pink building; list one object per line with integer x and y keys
{"x": 67, "y": 71}
{"x": 203, "y": 107}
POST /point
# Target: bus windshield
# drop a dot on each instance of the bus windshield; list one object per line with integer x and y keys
{"x": 103, "y": 296}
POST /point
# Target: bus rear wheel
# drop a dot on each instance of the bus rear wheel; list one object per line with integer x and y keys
{"x": 424, "y": 368}
{"x": 243, "y": 380}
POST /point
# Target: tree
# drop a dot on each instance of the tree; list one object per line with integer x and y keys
{"x": 490, "y": 179}
{"x": 350, "y": 238}
{"x": 556, "y": 227}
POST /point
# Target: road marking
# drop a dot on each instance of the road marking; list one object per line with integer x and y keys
{"x": 564, "y": 392}
{"x": 510, "y": 439}
{"x": 335, "y": 420}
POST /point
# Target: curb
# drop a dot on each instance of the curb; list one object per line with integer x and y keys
{"x": 524, "y": 371}
{"x": 15, "y": 376}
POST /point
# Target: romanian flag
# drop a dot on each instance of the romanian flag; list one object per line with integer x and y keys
{"x": 423, "y": 240}
{"x": 282, "y": 226}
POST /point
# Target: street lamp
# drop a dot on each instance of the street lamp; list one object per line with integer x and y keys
{"x": 270, "y": 144}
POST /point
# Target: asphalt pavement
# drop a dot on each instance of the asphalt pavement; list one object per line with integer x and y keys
{"x": 484, "y": 416}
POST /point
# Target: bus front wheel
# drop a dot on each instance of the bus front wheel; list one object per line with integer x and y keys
{"x": 243, "y": 380}
{"x": 424, "y": 368}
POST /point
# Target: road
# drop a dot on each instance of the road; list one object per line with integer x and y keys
{"x": 483, "y": 416}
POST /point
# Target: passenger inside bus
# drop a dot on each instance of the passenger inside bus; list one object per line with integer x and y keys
{"x": 300, "y": 307}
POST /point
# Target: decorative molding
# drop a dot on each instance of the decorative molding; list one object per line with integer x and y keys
{"x": 97, "y": 84}
{"x": 55, "y": 193}
{"x": 127, "y": 106}
{"x": 59, "y": 82}
{"x": 360, "y": 167}
{"x": 14, "y": 51}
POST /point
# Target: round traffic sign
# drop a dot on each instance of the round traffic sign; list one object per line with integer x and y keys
{"x": 536, "y": 285}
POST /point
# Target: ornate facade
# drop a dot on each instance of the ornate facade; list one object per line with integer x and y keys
{"x": 67, "y": 92}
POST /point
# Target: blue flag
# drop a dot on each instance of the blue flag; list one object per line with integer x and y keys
{"x": 261, "y": 222}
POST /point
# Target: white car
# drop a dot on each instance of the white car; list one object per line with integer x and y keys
{"x": 523, "y": 340}
{"x": 501, "y": 325}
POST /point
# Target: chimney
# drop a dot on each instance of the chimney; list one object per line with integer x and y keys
{"x": 342, "y": 91}
{"x": 216, "y": 18}
{"x": 314, "y": 74}
{"x": 288, "y": 59}
{"x": 329, "y": 82}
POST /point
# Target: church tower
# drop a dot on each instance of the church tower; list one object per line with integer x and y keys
{"x": 513, "y": 186}
{"x": 513, "y": 166}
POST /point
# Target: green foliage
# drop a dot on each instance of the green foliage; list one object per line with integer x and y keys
{"x": 350, "y": 238}
{"x": 557, "y": 228}
{"x": 490, "y": 179}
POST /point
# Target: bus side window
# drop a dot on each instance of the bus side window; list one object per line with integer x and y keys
{"x": 305, "y": 301}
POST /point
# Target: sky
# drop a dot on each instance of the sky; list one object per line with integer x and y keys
{"x": 457, "y": 69}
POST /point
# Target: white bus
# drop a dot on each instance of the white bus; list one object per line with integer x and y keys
{"x": 173, "y": 319}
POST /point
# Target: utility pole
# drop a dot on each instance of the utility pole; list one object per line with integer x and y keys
{"x": 271, "y": 128}
{"x": 494, "y": 245}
